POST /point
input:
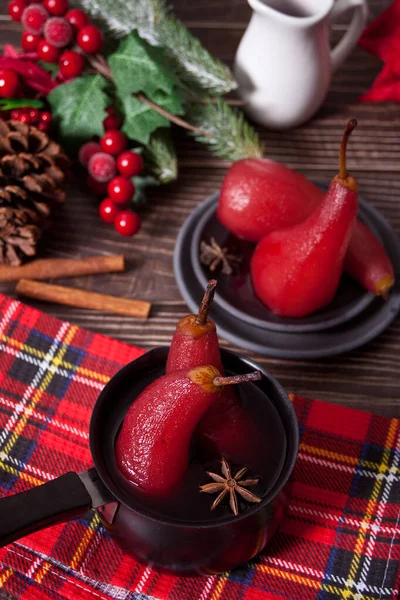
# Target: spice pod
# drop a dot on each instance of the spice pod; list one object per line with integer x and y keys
{"x": 354, "y": 318}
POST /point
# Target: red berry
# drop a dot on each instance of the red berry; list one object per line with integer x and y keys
{"x": 58, "y": 32}
{"x": 24, "y": 118}
{"x": 102, "y": 167}
{"x": 89, "y": 38}
{"x": 30, "y": 41}
{"x": 97, "y": 187}
{"x": 46, "y": 117}
{"x": 71, "y": 64}
{"x": 129, "y": 164}
{"x": 34, "y": 115}
{"x": 120, "y": 190}
{"x": 110, "y": 110}
{"x": 86, "y": 152}
{"x": 9, "y": 83}
{"x": 43, "y": 126}
{"x": 16, "y": 8}
{"x": 56, "y": 7}
{"x": 127, "y": 222}
{"x": 15, "y": 114}
{"x": 76, "y": 18}
{"x": 113, "y": 142}
{"x": 111, "y": 122}
{"x": 47, "y": 52}
{"x": 34, "y": 17}
{"x": 108, "y": 210}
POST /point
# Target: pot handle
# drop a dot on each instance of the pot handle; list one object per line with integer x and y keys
{"x": 59, "y": 500}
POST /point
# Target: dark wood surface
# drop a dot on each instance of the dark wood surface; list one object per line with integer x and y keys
{"x": 367, "y": 378}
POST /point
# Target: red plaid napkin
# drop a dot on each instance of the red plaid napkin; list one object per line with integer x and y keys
{"x": 339, "y": 539}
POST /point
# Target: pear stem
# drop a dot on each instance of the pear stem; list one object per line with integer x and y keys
{"x": 351, "y": 125}
{"x": 219, "y": 381}
{"x": 205, "y": 305}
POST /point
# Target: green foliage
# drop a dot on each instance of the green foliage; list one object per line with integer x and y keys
{"x": 121, "y": 17}
{"x": 141, "y": 120}
{"x": 141, "y": 183}
{"x": 191, "y": 62}
{"x": 79, "y": 108}
{"x": 194, "y": 66}
{"x": 51, "y": 68}
{"x": 138, "y": 67}
{"x": 231, "y": 135}
{"x": 160, "y": 156}
{"x": 11, "y": 103}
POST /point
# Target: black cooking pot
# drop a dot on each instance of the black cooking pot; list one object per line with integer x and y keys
{"x": 182, "y": 547}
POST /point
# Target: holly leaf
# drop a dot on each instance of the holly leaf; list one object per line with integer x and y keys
{"x": 141, "y": 120}
{"x": 79, "y": 108}
{"x": 10, "y": 103}
{"x": 141, "y": 183}
{"x": 51, "y": 68}
{"x": 138, "y": 67}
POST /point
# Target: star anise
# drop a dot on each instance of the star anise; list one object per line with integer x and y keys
{"x": 230, "y": 485}
{"x": 213, "y": 255}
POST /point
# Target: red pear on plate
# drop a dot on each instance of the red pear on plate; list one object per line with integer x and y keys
{"x": 259, "y": 196}
{"x": 296, "y": 271}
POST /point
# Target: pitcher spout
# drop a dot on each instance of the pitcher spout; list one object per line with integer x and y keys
{"x": 297, "y": 13}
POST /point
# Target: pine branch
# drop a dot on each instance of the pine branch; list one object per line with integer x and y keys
{"x": 120, "y": 18}
{"x": 194, "y": 66}
{"x": 231, "y": 136}
{"x": 161, "y": 157}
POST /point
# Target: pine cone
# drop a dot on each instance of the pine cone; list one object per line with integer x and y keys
{"x": 32, "y": 168}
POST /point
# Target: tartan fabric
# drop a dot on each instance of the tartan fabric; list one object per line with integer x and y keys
{"x": 340, "y": 536}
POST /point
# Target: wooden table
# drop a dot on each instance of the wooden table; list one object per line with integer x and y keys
{"x": 368, "y": 378}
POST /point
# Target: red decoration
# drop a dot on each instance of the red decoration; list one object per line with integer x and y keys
{"x": 108, "y": 210}
{"x": 30, "y": 41}
{"x": 77, "y": 18}
{"x": 113, "y": 142}
{"x": 71, "y": 64}
{"x": 47, "y": 52}
{"x": 129, "y": 164}
{"x": 58, "y": 32}
{"x": 33, "y": 75}
{"x": 121, "y": 190}
{"x": 87, "y": 151}
{"x": 56, "y": 7}
{"x": 16, "y": 8}
{"x": 89, "y": 39}
{"x": 382, "y": 39}
{"x": 101, "y": 166}
{"x": 9, "y": 83}
{"x": 127, "y": 223}
{"x": 34, "y": 17}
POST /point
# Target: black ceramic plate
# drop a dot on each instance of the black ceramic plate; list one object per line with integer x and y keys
{"x": 317, "y": 344}
{"x": 235, "y": 293}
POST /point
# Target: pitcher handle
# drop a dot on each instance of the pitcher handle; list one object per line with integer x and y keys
{"x": 348, "y": 42}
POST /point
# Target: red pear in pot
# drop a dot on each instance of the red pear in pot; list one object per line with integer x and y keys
{"x": 226, "y": 428}
{"x": 152, "y": 448}
{"x": 195, "y": 340}
{"x": 296, "y": 271}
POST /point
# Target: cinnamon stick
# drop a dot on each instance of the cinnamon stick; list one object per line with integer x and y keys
{"x": 83, "y": 299}
{"x": 49, "y": 268}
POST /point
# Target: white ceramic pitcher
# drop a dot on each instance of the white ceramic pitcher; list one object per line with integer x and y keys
{"x": 284, "y": 62}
